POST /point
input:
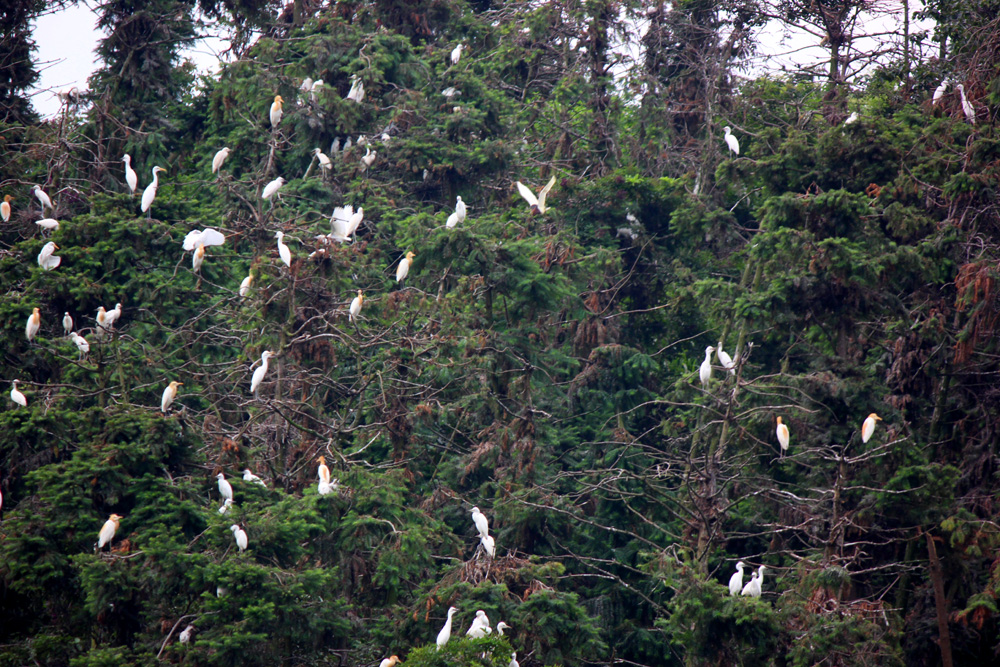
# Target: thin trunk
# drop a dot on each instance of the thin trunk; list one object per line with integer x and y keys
{"x": 940, "y": 602}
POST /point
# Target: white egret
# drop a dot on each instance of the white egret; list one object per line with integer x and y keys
{"x": 34, "y": 324}
{"x": 362, "y": 140}
{"x": 48, "y": 224}
{"x": 108, "y": 531}
{"x": 751, "y": 587}
{"x": 940, "y": 91}
{"x": 705, "y": 371}
{"x": 725, "y": 359}
{"x": 869, "y": 427}
{"x": 241, "y": 537}
{"x": 131, "y": 178}
{"x": 513, "y": 660}
{"x": 185, "y": 635}
{"x": 731, "y": 141}
{"x": 489, "y": 545}
{"x": 482, "y": 525}
{"x": 323, "y": 488}
{"x": 226, "y": 505}
{"x": 149, "y": 194}
{"x": 537, "y": 204}
{"x": 480, "y": 626}
{"x": 356, "y": 306}
{"x": 322, "y": 470}
{"x": 82, "y": 346}
{"x": 198, "y": 257}
{"x": 206, "y": 237}
{"x": 43, "y": 198}
{"x": 404, "y": 267}
{"x": 390, "y": 661}
{"x": 113, "y": 315}
{"x": 276, "y": 110}
{"x": 335, "y": 145}
{"x": 5, "y": 208}
{"x": 344, "y": 222}
{"x": 250, "y": 477}
{"x": 219, "y": 158}
{"x": 501, "y": 626}
{"x": 324, "y": 160}
{"x": 169, "y": 394}
{"x": 46, "y": 259}
{"x": 258, "y": 375}
{"x": 103, "y": 327}
{"x": 283, "y": 252}
{"x": 456, "y": 54}
{"x": 306, "y": 84}
{"x": 357, "y": 94}
{"x": 245, "y": 285}
{"x": 736, "y": 581}
{"x": 67, "y": 323}
{"x": 314, "y": 89}
{"x": 272, "y": 187}
{"x": 225, "y": 488}
{"x": 967, "y": 108}
{"x": 459, "y": 214}
{"x": 17, "y": 396}
{"x": 369, "y": 157}
{"x": 782, "y": 433}
{"x": 347, "y": 144}
{"x": 450, "y": 92}
{"x": 853, "y": 118}
{"x": 445, "y": 634}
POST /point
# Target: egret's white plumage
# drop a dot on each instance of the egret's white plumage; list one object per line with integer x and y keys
{"x": 356, "y": 306}
{"x": 940, "y": 91}
{"x": 283, "y": 252}
{"x": 731, "y": 141}
{"x": 219, "y": 158}
{"x": 206, "y": 237}
{"x": 225, "y": 488}
{"x": 390, "y": 661}
{"x": 250, "y": 477}
{"x": 404, "y": 267}
{"x": 241, "y": 537}
{"x": 368, "y": 159}
{"x": 513, "y": 660}
{"x": 481, "y": 523}
{"x": 324, "y": 160}
{"x": 869, "y": 427}
{"x": 5, "y": 208}
{"x": 245, "y": 285}
{"x": 82, "y": 346}
{"x": 753, "y": 588}
{"x": 131, "y": 178}
{"x": 445, "y": 634}
{"x": 169, "y": 394}
{"x": 501, "y": 626}
{"x": 480, "y": 626}
{"x": 33, "y": 325}
{"x": 149, "y": 194}
{"x": 489, "y": 545}
{"x": 357, "y": 94}
{"x": 67, "y": 322}
{"x": 272, "y": 187}
{"x": 17, "y": 396}
{"x": 275, "y": 114}
{"x": 46, "y": 259}
{"x": 705, "y": 371}
{"x": 344, "y": 222}
{"x": 456, "y": 54}
{"x": 725, "y": 360}
{"x": 258, "y": 375}
{"x": 322, "y": 470}
{"x": 226, "y": 505}
{"x": 108, "y": 531}
{"x": 736, "y": 581}
{"x": 537, "y": 204}
{"x": 42, "y": 198}
{"x": 853, "y": 118}
{"x": 48, "y": 224}
{"x": 783, "y": 436}
{"x": 198, "y": 257}
{"x": 967, "y": 108}
{"x": 185, "y": 635}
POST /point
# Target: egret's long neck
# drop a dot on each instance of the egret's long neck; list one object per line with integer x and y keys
{"x": 156, "y": 179}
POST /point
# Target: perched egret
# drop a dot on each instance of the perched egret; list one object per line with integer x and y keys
{"x": 736, "y": 581}
{"x": 357, "y": 94}
{"x": 272, "y": 187}
{"x": 82, "y": 346}
{"x": 705, "y": 371}
{"x": 34, "y": 324}
{"x": 869, "y": 427}
{"x": 344, "y": 222}
{"x": 782, "y": 432}
{"x": 258, "y": 375}
{"x": 225, "y": 488}
{"x": 46, "y": 259}
{"x": 226, "y": 505}
{"x": 482, "y": 525}
{"x": 5, "y": 208}
{"x": 404, "y": 267}
{"x": 459, "y": 214}
{"x": 250, "y": 477}
{"x": 198, "y": 257}
{"x": 283, "y": 252}
{"x": 501, "y": 626}
{"x": 456, "y": 54}
{"x": 940, "y": 91}
{"x": 131, "y": 178}
{"x": 369, "y": 157}
{"x": 537, "y": 204}
{"x": 17, "y": 396}
{"x": 206, "y": 237}
{"x": 169, "y": 394}
{"x": 347, "y": 144}
{"x": 322, "y": 470}
{"x": 725, "y": 359}
{"x": 513, "y": 660}
{"x": 44, "y": 200}
{"x": 67, "y": 323}
{"x": 731, "y": 141}
{"x": 752, "y": 589}
{"x": 245, "y": 285}
{"x": 480, "y": 626}
{"x": 149, "y": 194}
{"x": 324, "y": 160}
{"x": 185, "y": 635}
{"x": 219, "y": 158}
{"x": 445, "y": 634}
{"x": 48, "y": 224}
{"x": 450, "y": 92}
{"x": 324, "y": 488}
{"x": 489, "y": 545}
{"x": 967, "y": 108}
{"x": 103, "y": 326}
{"x": 853, "y": 118}
{"x": 108, "y": 531}
{"x": 306, "y": 84}
{"x": 241, "y": 537}
{"x": 356, "y": 306}
{"x": 314, "y": 89}
{"x": 114, "y": 315}
{"x": 276, "y": 110}
{"x": 390, "y": 661}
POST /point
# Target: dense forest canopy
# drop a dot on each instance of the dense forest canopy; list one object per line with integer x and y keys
{"x": 432, "y": 304}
